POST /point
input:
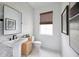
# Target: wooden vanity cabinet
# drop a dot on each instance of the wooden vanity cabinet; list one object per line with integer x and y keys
{"x": 26, "y": 47}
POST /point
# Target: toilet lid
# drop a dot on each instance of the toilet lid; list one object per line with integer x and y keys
{"x": 37, "y": 42}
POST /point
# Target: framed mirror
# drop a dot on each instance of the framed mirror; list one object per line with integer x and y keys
{"x": 64, "y": 21}
{"x": 12, "y": 20}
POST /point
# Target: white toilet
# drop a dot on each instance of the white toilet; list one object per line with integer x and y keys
{"x": 37, "y": 44}
{"x": 36, "y": 48}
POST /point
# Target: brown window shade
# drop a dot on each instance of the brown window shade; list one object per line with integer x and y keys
{"x": 46, "y": 18}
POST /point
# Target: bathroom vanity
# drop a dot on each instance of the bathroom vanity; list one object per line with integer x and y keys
{"x": 12, "y": 48}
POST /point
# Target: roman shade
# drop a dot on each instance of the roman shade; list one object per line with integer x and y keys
{"x": 46, "y": 18}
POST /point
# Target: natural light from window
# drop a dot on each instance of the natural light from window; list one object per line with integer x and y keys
{"x": 46, "y": 29}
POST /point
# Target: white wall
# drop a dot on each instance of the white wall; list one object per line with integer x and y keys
{"x": 52, "y": 42}
{"x": 27, "y": 15}
{"x": 67, "y": 51}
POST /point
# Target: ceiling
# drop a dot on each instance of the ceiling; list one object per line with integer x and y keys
{"x": 41, "y": 4}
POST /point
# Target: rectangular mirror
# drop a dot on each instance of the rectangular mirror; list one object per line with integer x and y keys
{"x": 12, "y": 20}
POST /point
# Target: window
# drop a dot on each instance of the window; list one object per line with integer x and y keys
{"x": 46, "y": 29}
{"x": 46, "y": 25}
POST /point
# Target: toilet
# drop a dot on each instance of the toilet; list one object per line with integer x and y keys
{"x": 37, "y": 44}
{"x": 36, "y": 48}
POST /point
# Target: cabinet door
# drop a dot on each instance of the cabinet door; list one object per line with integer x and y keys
{"x": 23, "y": 49}
{"x": 26, "y": 48}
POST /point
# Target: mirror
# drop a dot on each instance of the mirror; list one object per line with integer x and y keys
{"x": 12, "y": 20}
